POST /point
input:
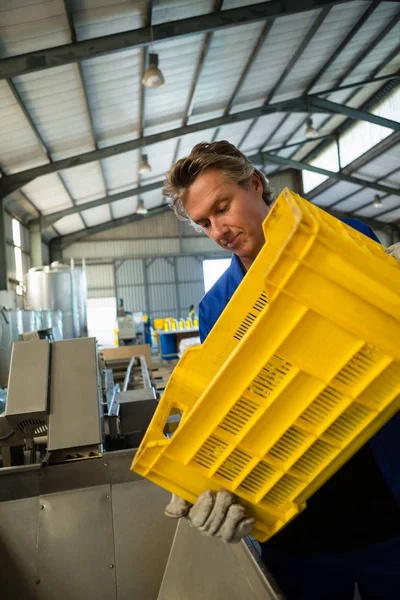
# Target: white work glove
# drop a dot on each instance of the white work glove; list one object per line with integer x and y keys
{"x": 394, "y": 251}
{"x": 218, "y": 515}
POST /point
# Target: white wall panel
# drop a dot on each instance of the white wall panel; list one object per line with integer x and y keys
{"x": 163, "y": 225}
{"x": 122, "y": 248}
{"x": 200, "y": 245}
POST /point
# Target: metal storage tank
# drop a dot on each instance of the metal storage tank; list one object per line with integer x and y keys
{"x": 52, "y": 319}
{"x": 31, "y": 320}
{"x": 64, "y": 288}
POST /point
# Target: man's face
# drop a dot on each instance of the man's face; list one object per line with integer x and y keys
{"x": 230, "y": 215}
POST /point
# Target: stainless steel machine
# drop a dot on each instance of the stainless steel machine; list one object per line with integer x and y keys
{"x": 16, "y": 322}
{"x": 75, "y": 522}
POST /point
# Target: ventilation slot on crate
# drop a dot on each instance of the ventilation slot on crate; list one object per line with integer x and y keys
{"x": 234, "y": 464}
{"x": 261, "y": 302}
{"x": 238, "y": 416}
{"x": 31, "y": 427}
{"x": 245, "y": 325}
{"x": 315, "y": 456}
{"x": 358, "y": 367}
{"x": 288, "y": 444}
{"x": 349, "y": 422}
{"x": 283, "y": 491}
{"x": 258, "y": 477}
{"x": 384, "y": 388}
{"x": 270, "y": 377}
{"x": 322, "y": 407}
{"x": 210, "y": 452}
{"x": 248, "y": 321}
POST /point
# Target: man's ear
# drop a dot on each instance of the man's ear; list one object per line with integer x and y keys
{"x": 256, "y": 183}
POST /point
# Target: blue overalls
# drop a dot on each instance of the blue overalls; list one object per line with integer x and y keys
{"x": 308, "y": 559}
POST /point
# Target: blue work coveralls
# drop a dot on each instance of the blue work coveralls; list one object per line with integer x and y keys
{"x": 318, "y": 559}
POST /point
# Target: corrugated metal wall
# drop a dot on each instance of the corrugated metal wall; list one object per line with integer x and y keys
{"x": 161, "y": 287}
{"x": 100, "y": 280}
{"x": 155, "y": 265}
{"x": 190, "y": 281}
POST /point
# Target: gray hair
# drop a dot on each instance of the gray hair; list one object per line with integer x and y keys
{"x": 216, "y": 155}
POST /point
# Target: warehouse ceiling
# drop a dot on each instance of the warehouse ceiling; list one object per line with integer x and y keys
{"x": 76, "y": 119}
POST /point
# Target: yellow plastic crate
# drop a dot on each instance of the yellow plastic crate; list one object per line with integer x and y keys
{"x": 301, "y": 369}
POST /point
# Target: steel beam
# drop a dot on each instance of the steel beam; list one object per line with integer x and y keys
{"x": 387, "y": 211}
{"x": 362, "y": 83}
{"x": 266, "y": 157}
{"x": 2, "y": 175}
{"x": 383, "y": 146}
{"x": 137, "y": 38}
{"x": 299, "y": 143}
{"x": 352, "y": 113}
{"x": 332, "y": 206}
{"x": 374, "y": 223}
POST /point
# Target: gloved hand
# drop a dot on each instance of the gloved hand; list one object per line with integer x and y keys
{"x": 213, "y": 514}
{"x": 394, "y": 251}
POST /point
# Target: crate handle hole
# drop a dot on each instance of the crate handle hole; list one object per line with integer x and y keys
{"x": 173, "y": 421}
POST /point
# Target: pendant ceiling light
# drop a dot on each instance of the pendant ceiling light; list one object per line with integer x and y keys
{"x": 310, "y": 132}
{"x": 141, "y": 209}
{"x": 377, "y": 201}
{"x": 153, "y": 77}
{"x": 144, "y": 165}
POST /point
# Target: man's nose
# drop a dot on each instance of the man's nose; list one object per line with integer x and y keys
{"x": 219, "y": 229}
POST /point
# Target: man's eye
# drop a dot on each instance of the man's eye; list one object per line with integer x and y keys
{"x": 205, "y": 225}
{"x": 222, "y": 209}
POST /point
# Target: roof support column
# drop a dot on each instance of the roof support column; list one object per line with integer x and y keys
{"x": 36, "y": 244}
{"x": 3, "y": 255}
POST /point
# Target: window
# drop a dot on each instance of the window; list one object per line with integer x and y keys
{"x": 19, "y": 271}
{"x": 354, "y": 142}
{"x": 213, "y": 269}
{"x": 101, "y": 316}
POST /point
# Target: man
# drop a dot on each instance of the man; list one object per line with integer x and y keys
{"x": 350, "y": 530}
